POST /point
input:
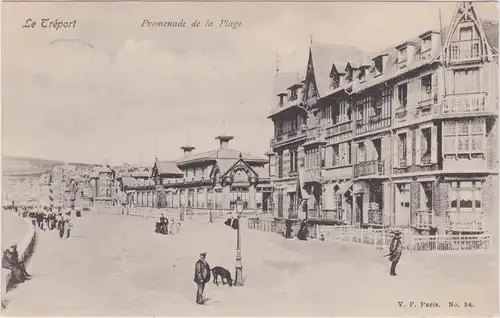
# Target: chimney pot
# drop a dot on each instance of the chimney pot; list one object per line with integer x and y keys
{"x": 224, "y": 141}
{"x": 187, "y": 150}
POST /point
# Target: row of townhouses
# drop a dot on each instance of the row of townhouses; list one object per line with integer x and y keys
{"x": 404, "y": 137}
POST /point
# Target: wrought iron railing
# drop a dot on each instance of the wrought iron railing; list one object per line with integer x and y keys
{"x": 464, "y": 221}
{"x": 339, "y": 128}
{"x": 374, "y": 167}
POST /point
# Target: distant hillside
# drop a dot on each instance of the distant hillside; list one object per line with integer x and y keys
{"x": 26, "y": 166}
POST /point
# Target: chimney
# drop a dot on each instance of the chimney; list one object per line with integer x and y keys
{"x": 224, "y": 141}
{"x": 187, "y": 150}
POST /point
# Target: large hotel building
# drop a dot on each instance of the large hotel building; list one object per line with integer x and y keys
{"x": 405, "y": 137}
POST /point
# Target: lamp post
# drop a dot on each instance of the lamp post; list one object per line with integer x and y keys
{"x": 238, "y": 281}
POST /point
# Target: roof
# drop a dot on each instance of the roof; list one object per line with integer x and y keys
{"x": 219, "y": 155}
{"x": 491, "y": 32}
{"x": 283, "y": 81}
{"x": 140, "y": 174}
{"x": 168, "y": 167}
{"x": 323, "y": 59}
{"x": 129, "y": 181}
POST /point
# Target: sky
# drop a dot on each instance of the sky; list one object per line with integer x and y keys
{"x": 136, "y": 93}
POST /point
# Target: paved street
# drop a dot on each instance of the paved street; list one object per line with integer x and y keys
{"x": 117, "y": 265}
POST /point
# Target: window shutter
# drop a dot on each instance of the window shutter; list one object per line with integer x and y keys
{"x": 286, "y": 163}
{"x": 434, "y": 146}
{"x": 435, "y": 87}
{"x": 395, "y": 152}
{"x": 409, "y": 149}
{"x": 418, "y": 141}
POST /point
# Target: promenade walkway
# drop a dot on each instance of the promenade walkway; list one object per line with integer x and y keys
{"x": 117, "y": 265}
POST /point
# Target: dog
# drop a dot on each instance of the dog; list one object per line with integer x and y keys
{"x": 224, "y": 274}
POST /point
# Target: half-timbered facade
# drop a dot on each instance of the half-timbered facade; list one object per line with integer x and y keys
{"x": 407, "y": 136}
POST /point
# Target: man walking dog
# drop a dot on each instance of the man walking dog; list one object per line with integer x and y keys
{"x": 201, "y": 277}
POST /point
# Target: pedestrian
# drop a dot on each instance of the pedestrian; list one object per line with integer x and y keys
{"x": 396, "y": 249}
{"x": 201, "y": 277}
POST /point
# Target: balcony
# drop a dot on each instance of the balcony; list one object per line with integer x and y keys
{"x": 288, "y": 136}
{"x": 464, "y": 103}
{"x": 424, "y": 219}
{"x": 375, "y": 122}
{"x": 339, "y": 129}
{"x": 313, "y": 175}
{"x": 464, "y": 221}
{"x": 375, "y": 217}
{"x": 368, "y": 168}
{"x": 464, "y": 51}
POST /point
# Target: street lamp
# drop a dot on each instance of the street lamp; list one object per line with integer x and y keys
{"x": 238, "y": 281}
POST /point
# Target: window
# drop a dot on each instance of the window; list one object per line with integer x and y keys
{"x": 426, "y": 84}
{"x": 402, "y": 150}
{"x": 336, "y": 156}
{"x": 362, "y": 74}
{"x": 402, "y": 55}
{"x": 281, "y": 100}
{"x": 361, "y": 152}
{"x": 425, "y": 146}
{"x": 293, "y": 94}
{"x": 464, "y": 137}
{"x": 465, "y": 33}
{"x": 348, "y": 75}
{"x": 379, "y": 65}
{"x": 466, "y": 81}
{"x": 334, "y": 81}
{"x": 241, "y": 193}
{"x": 280, "y": 165}
{"x": 466, "y": 195}
{"x": 426, "y": 44}
{"x": 337, "y": 201}
{"x": 403, "y": 95}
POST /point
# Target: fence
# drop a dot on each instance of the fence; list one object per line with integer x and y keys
{"x": 382, "y": 238}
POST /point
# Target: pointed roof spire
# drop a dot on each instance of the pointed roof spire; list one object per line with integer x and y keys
{"x": 311, "y": 37}
{"x": 277, "y": 63}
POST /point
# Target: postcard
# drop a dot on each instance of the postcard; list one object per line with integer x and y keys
{"x": 250, "y": 158}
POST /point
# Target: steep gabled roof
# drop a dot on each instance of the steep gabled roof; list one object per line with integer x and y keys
{"x": 325, "y": 56}
{"x": 491, "y": 32}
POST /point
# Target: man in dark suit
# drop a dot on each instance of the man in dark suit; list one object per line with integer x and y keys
{"x": 396, "y": 250}
{"x": 201, "y": 277}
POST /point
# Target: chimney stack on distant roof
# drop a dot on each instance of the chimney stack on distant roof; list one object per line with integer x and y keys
{"x": 224, "y": 141}
{"x": 187, "y": 150}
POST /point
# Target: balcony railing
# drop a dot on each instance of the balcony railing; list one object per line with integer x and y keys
{"x": 339, "y": 129}
{"x": 373, "y": 123}
{"x": 464, "y": 103}
{"x": 424, "y": 219}
{"x": 375, "y": 216}
{"x": 464, "y": 221}
{"x": 291, "y": 135}
{"x": 375, "y": 167}
{"x": 468, "y": 50}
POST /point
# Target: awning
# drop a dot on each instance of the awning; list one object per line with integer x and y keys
{"x": 344, "y": 187}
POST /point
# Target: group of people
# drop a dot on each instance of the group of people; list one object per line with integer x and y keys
{"x": 48, "y": 220}
{"x": 302, "y": 233}
{"x": 11, "y": 261}
{"x": 164, "y": 226}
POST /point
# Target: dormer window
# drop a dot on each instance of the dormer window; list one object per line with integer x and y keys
{"x": 426, "y": 44}
{"x": 378, "y": 68}
{"x": 334, "y": 81}
{"x": 348, "y": 75}
{"x": 293, "y": 94}
{"x": 362, "y": 74}
{"x": 281, "y": 99}
{"x": 402, "y": 55}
